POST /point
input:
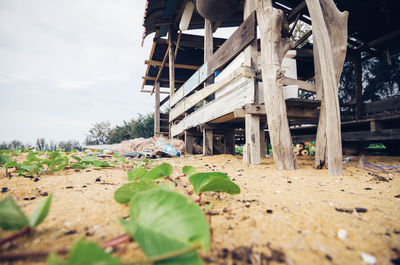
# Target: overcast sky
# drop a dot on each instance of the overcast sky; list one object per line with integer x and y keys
{"x": 66, "y": 64}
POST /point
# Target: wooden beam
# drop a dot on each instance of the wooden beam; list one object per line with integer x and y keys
{"x": 157, "y": 109}
{"x": 358, "y": 85}
{"x": 274, "y": 46}
{"x": 298, "y": 10}
{"x": 171, "y": 68}
{"x": 303, "y": 85}
{"x": 151, "y": 92}
{"x": 252, "y": 131}
{"x": 208, "y": 51}
{"x": 189, "y": 141}
{"x": 242, "y": 37}
{"x": 161, "y": 79}
{"x": 161, "y": 68}
{"x": 153, "y": 47}
{"x": 328, "y": 74}
{"x": 292, "y": 111}
{"x": 180, "y": 66}
{"x": 196, "y": 41}
{"x": 302, "y": 39}
{"x": 229, "y": 141}
{"x": 380, "y": 40}
{"x": 164, "y": 100}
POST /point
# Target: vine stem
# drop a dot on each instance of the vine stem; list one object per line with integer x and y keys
{"x": 15, "y": 236}
{"x": 168, "y": 255}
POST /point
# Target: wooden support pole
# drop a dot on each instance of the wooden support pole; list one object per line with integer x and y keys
{"x": 229, "y": 141}
{"x": 262, "y": 143}
{"x": 171, "y": 52}
{"x": 208, "y": 52}
{"x": 157, "y": 127}
{"x": 161, "y": 69}
{"x": 252, "y": 132}
{"x": 189, "y": 141}
{"x": 208, "y": 142}
{"x": 358, "y": 87}
{"x": 181, "y": 66}
{"x": 329, "y": 75}
{"x": 273, "y": 48}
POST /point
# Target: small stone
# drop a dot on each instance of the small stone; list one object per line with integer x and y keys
{"x": 4, "y": 189}
{"x": 269, "y": 211}
{"x": 69, "y": 187}
{"x": 36, "y": 179}
{"x": 342, "y": 234}
{"x": 68, "y": 224}
{"x": 98, "y": 180}
{"x": 96, "y": 227}
{"x": 368, "y": 258}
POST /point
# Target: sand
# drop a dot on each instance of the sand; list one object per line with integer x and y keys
{"x": 287, "y": 217}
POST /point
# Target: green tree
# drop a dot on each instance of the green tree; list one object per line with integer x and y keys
{"x": 99, "y": 133}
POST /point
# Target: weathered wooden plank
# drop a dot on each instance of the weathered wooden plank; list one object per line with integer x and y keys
{"x": 358, "y": 136}
{"x": 149, "y": 91}
{"x": 242, "y": 37}
{"x": 164, "y": 100}
{"x": 161, "y": 79}
{"x": 192, "y": 100}
{"x": 240, "y": 95}
{"x": 382, "y": 105}
{"x": 303, "y": 85}
{"x": 189, "y": 141}
{"x": 180, "y": 66}
{"x": 292, "y": 111}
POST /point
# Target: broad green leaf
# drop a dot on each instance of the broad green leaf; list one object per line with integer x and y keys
{"x": 213, "y": 181}
{"x": 160, "y": 171}
{"x": 147, "y": 161}
{"x": 79, "y": 166}
{"x": 4, "y": 159}
{"x": 163, "y": 221}
{"x": 188, "y": 170}
{"x": 11, "y": 216}
{"x": 78, "y": 159}
{"x": 10, "y": 164}
{"x": 31, "y": 157}
{"x": 41, "y": 212}
{"x": 136, "y": 173}
{"x": 89, "y": 159}
{"x": 53, "y": 155}
{"x": 89, "y": 253}
{"x": 31, "y": 168}
{"x": 61, "y": 167}
{"x": 126, "y": 192}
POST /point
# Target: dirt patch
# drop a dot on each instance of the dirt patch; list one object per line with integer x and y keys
{"x": 280, "y": 216}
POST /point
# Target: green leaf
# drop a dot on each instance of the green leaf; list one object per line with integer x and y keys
{"x": 126, "y": 192}
{"x": 55, "y": 154}
{"x": 78, "y": 159}
{"x": 213, "y": 181}
{"x": 136, "y": 173}
{"x": 164, "y": 221}
{"x": 147, "y": 161}
{"x": 10, "y": 164}
{"x": 31, "y": 168}
{"x": 188, "y": 170}
{"x": 31, "y": 157}
{"x": 61, "y": 167}
{"x": 89, "y": 159}
{"x": 41, "y": 212}
{"x": 79, "y": 166}
{"x": 160, "y": 171}
{"x": 11, "y": 216}
{"x": 4, "y": 159}
{"x": 89, "y": 253}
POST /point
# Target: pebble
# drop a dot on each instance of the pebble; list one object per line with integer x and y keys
{"x": 4, "y": 189}
{"x": 342, "y": 234}
{"x": 36, "y": 179}
{"x": 68, "y": 224}
{"x": 368, "y": 258}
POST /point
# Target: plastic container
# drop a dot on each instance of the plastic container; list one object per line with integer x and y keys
{"x": 168, "y": 149}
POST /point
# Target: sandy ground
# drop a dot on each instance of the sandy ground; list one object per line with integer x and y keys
{"x": 287, "y": 217}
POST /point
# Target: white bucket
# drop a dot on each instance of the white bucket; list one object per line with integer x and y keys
{"x": 291, "y": 91}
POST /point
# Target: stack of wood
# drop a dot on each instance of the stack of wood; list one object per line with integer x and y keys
{"x": 300, "y": 150}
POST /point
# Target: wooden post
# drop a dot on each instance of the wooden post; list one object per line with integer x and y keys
{"x": 329, "y": 75}
{"x": 262, "y": 143}
{"x": 171, "y": 63}
{"x": 208, "y": 142}
{"x": 274, "y": 46}
{"x": 252, "y": 127}
{"x": 157, "y": 128}
{"x": 358, "y": 87}
{"x": 208, "y": 52}
{"x": 251, "y": 52}
{"x": 229, "y": 141}
{"x": 189, "y": 141}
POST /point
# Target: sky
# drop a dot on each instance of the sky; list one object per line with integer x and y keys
{"x": 67, "y": 64}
